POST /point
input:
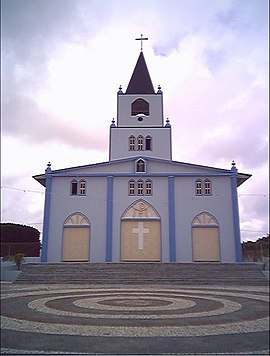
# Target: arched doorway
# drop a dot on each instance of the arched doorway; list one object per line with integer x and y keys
{"x": 76, "y": 238}
{"x": 205, "y": 238}
{"x": 140, "y": 233}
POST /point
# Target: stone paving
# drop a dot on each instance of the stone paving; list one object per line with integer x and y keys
{"x": 134, "y": 320}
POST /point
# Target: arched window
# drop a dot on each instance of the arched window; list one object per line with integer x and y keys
{"x": 74, "y": 187}
{"x": 140, "y": 143}
{"x": 140, "y": 166}
{"x": 148, "y": 187}
{"x": 140, "y": 106}
{"x": 131, "y": 187}
{"x": 82, "y": 187}
{"x": 132, "y": 143}
{"x": 207, "y": 187}
{"x": 198, "y": 187}
{"x": 148, "y": 143}
{"x": 140, "y": 187}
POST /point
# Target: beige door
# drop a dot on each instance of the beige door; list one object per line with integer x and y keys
{"x": 205, "y": 244}
{"x": 76, "y": 244}
{"x": 140, "y": 240}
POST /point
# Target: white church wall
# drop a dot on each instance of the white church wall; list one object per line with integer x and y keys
{"x": 179, "y": 168}
{"x": 93, "y": 206}
{"x": 161, "y": 142}
{"x": 188, "y": 205}
{"x": 155, "y": 117}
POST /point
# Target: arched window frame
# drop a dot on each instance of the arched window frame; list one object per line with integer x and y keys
{"x": 132, "y": 143}
{"x": 140, "y": 187}
{"x": 140, "y": 106}
{"x": 149, "y": 187}
{"x": 74, "y": 187}
{"x": 131, "y": 187}
{"x": 148, "y": 143}
{"x": 140, "y": 143}
{"x": 199, "y": 187}
{"x": 82, "y": 187}
{"x": 207, "y": 187}
{"x": 140, "y": 166}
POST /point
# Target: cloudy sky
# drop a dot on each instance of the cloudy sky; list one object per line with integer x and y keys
{"x": 62, "y": 64}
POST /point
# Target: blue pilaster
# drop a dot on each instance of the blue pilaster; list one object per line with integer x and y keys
{"x": 171, "y": 219}
{"x": 46, "y": 220}
{"x": 109, "y": 219}
{"x": 236, "y": 222}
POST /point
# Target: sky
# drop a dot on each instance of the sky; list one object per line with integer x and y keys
{"x": 64, "y": 60}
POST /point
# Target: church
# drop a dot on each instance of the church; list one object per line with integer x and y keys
{"x": 141, "y": 205}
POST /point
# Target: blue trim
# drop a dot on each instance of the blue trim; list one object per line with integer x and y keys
{"x": 236, "y": 222}
{"x": 109, "y": 219}
{"x": 46, "y": 220}
{"x": 171, "y": 219}
{"x": 197, "y": 174}
{"x": 134, "y": 158}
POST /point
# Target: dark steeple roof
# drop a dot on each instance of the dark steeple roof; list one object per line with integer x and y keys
{"x": 140, "y": 82}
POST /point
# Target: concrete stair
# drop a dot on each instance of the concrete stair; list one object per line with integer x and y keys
{"x": 144, "y": 273}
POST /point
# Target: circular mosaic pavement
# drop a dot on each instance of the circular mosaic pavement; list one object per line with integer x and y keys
{"x": 128, "y": 320}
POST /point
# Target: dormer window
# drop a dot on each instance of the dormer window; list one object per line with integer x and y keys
{"x": 139, "y": 106}
{"x": 140, "y": 166}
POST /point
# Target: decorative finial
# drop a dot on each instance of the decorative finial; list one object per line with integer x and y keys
{"x": 233, "y": 163}
{"x": 48, "y": 169}
{"x": 168, "y": 123}
{"x": 141, "y": 39}
{"x": 120, "y": 90}
{"x": 113, "y": 123}
{"x": 159, "y": 90}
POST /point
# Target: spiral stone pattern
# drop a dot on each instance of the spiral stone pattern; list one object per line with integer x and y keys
{"x": 134, "y": 320}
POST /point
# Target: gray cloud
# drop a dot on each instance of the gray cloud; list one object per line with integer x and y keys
{"x": 23, "y": 118}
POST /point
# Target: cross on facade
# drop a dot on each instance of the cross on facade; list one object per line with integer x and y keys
{"x": 140, "y": 230}
{"x": 141, "y": 39}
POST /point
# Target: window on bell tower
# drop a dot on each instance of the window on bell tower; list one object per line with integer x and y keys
{"x": 132, "y": 143}
{"x": 140, "y": 106}
{"x": 140, "y": 143}
{"x": 148, "y": 143}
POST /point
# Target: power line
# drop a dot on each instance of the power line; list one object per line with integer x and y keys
{"x": 22, "y": 190}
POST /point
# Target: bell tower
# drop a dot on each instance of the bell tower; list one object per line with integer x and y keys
{"x": 139, "y": 128}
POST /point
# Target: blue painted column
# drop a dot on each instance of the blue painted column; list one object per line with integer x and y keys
{"x": 46, "y": 219}
{"x": 171, "y": 197}
{"x": 109, "y": 219}
{"x": 236, "y": 222}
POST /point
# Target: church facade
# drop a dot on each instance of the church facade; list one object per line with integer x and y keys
{"x": 141, "y": 205}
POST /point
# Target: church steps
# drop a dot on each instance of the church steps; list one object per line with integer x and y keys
{"x": 143, "y": 273}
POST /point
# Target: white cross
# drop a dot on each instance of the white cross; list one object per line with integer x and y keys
{"x": 140, "y": 230}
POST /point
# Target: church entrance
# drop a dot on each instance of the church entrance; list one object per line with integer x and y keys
{"x": 76, "y": 239}
{"x": 205, "y": 238}
{"x": 140, "y": 233}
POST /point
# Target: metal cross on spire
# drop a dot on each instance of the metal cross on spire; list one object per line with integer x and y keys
{"x": 141, "y": 39}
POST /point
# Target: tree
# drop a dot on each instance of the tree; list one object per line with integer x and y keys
{"x": 16, "y": 238}
{"x": 18, "y": 259}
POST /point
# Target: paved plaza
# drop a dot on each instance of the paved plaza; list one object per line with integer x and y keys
{"x": 134, "y": 320}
